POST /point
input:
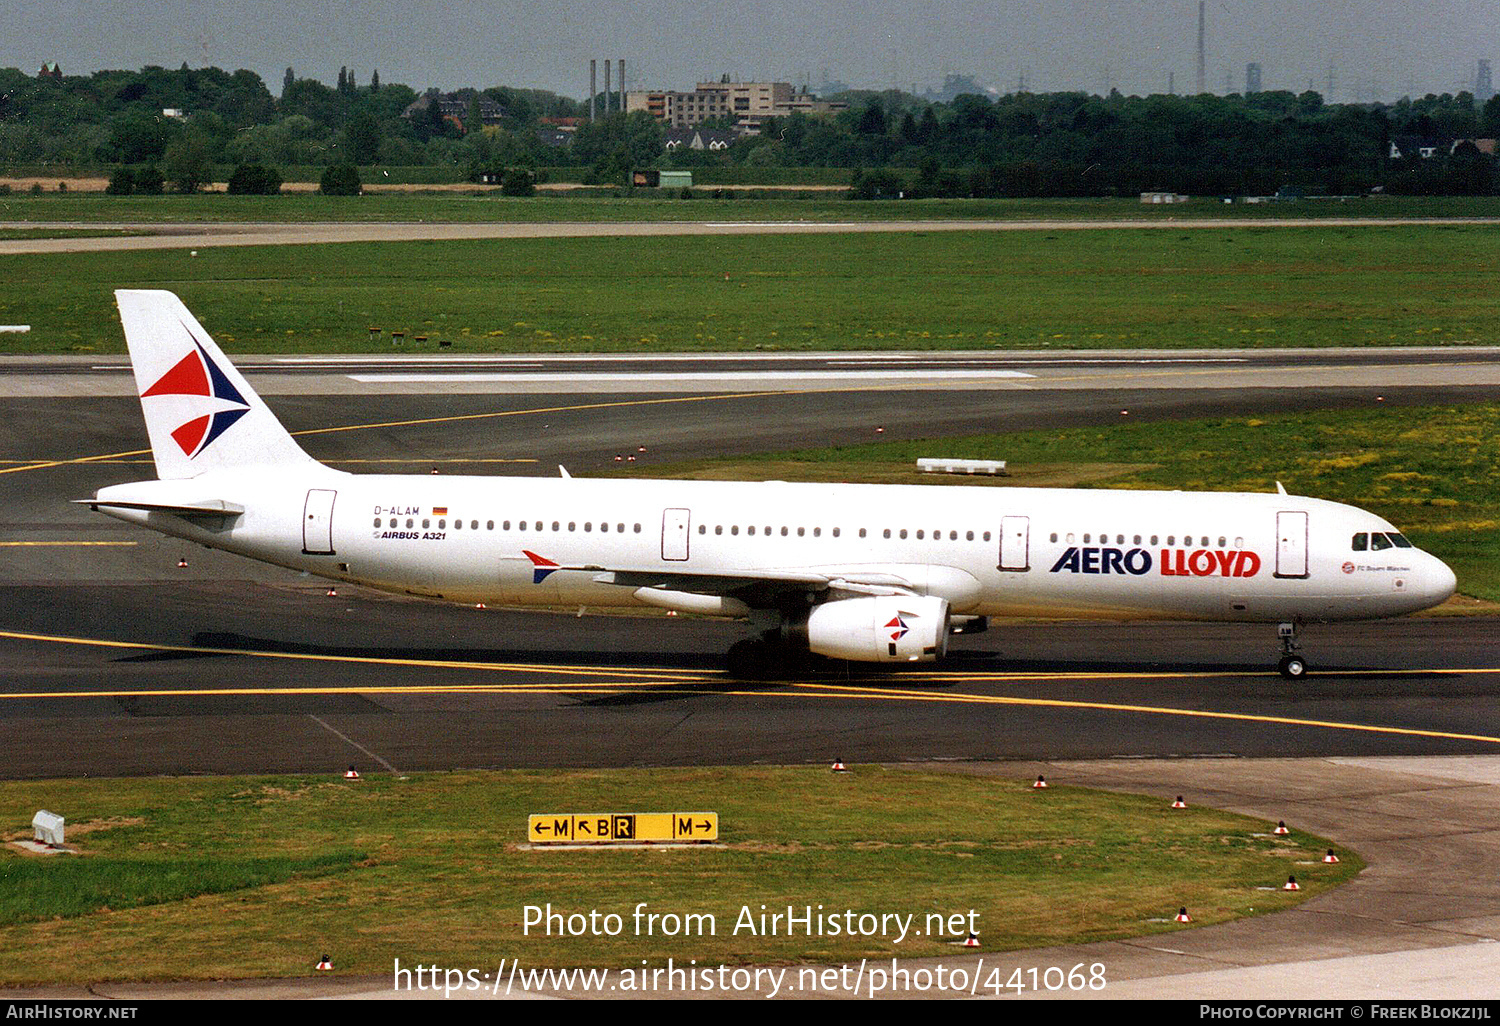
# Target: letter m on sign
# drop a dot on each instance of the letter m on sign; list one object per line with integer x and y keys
{"x": 683, "y": 826}
{"x": 563, "y": 827}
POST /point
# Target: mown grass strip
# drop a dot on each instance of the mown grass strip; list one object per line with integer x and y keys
{"x": 1210, "y": 288}
{"x": 447, "y": 876}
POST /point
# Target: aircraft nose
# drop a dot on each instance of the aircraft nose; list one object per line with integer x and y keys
{"x": 1440, "y": 582}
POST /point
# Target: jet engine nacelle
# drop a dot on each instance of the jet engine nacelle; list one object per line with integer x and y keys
{"x": 880, "y": 629}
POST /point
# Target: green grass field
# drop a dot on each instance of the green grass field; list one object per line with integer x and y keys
{"x": 258, "y": 876}
{"x": 964, "y": 290}
{"x": 1434, "y": 472}
{"x": 650, "y": 205}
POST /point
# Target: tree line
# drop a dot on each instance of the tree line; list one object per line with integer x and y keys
{"x": 1023, "y": 144}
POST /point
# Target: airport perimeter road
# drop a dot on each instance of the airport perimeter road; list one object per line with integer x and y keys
{"x": 199, "y": 235}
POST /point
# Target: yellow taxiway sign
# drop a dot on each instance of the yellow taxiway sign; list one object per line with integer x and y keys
{"x": 623, "y": 828}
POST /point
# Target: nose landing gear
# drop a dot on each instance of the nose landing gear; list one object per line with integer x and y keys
{"x": 1292, "y": 666}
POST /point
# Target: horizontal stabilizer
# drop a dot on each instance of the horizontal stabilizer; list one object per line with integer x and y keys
{"x": 206, "y": 508}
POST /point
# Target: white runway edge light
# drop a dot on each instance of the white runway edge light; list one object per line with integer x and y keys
{"x": 48, "y": 827}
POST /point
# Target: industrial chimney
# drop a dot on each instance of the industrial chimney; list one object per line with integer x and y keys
{"x": 1202, "y": 25}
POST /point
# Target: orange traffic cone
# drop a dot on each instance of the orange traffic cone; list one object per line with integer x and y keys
{"x": 1179, "y": 803}
{"x": 1041, "y": 782}
{"x": 351, "y": 773}
{"x": 324, "y": 965}
{"x": 1182, "y": 916}
{"x": 1330, "y": 857}
{"x": 1291, "y": 884}
{"x": 1281, "y": 828}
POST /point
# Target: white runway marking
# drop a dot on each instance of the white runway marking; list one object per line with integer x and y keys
{"x": 339, "y": 734}
{"x": 761, "y": 376}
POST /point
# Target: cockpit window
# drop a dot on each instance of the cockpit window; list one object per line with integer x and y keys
{"x": 1399, "y": 540}
{"x": 1379, "y": 541}
{"x": 1361, "y": 542}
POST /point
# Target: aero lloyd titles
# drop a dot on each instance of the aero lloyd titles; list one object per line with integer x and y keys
{"x": 1173, "y": 563}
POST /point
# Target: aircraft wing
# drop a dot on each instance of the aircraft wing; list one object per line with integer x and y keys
{"x": 754, "y": 586}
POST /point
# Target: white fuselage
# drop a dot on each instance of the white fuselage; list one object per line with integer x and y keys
{"x": 986, "y": 550}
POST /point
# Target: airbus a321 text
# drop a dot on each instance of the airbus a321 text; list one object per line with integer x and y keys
{"x": 874, "y": 573}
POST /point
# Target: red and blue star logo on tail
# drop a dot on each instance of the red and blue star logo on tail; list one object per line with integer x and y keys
{"x": 541, "y": 567}
{"x": 197, "y": 375}
{"x": 897, "y": 627}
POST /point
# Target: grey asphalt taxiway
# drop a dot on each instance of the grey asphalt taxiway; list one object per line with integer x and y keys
{"x": 225, "y": 665}
{"x": 115, "y": 660}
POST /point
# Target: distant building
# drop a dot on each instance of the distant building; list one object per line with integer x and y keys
{"x": 747, "y": 104}
{"x": 175, "y": 113}
{"x": 454, "y": 107}
{"x": 697, "y": 139}
{"x": 556, "y": 138}
{"x": 1413, "y": 147}
{"x": 1485, "y": 146}
{"x": 1484, "y": 83}
{"x": 1252, "y": 78}
{"x": 955, "y": 86}
{"x": 50, "y": 70}
{"x": 1163, "y": 197}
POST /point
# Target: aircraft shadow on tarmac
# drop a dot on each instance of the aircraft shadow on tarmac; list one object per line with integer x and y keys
{"x": 949, "y": 674}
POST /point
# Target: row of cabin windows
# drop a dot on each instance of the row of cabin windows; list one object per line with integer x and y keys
{"x": 1376, "y": 540}
{"x": 1136, "y": 539}
{"x": 1361, "y": 540}
{"x": 836, "y": 532}
{"x": 521, "y": 525}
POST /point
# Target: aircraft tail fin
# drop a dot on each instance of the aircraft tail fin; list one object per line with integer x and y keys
{"x": 200, "y": 412}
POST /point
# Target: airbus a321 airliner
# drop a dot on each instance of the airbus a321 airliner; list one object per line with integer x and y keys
{"x": 874, "y": 573}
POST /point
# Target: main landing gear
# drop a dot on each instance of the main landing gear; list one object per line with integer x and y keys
{"x": 762, "y": 658}
{"x": 1292, "y": 666}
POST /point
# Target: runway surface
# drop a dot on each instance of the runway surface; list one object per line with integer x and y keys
{"x": 201, "y": 235}
{"x": 844, "y": 373}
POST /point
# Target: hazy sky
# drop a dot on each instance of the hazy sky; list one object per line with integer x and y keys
{"x": 1390, "y": 46}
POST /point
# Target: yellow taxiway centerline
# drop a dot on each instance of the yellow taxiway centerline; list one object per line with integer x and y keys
{"x": 454, "y": 418}
{"x": 674, "y": 673}
{"x": 444, "y": 664}
{"x": 49, "y": 544}
{"x": 823, "y": 691}
{"x": 1055, "y": 703}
